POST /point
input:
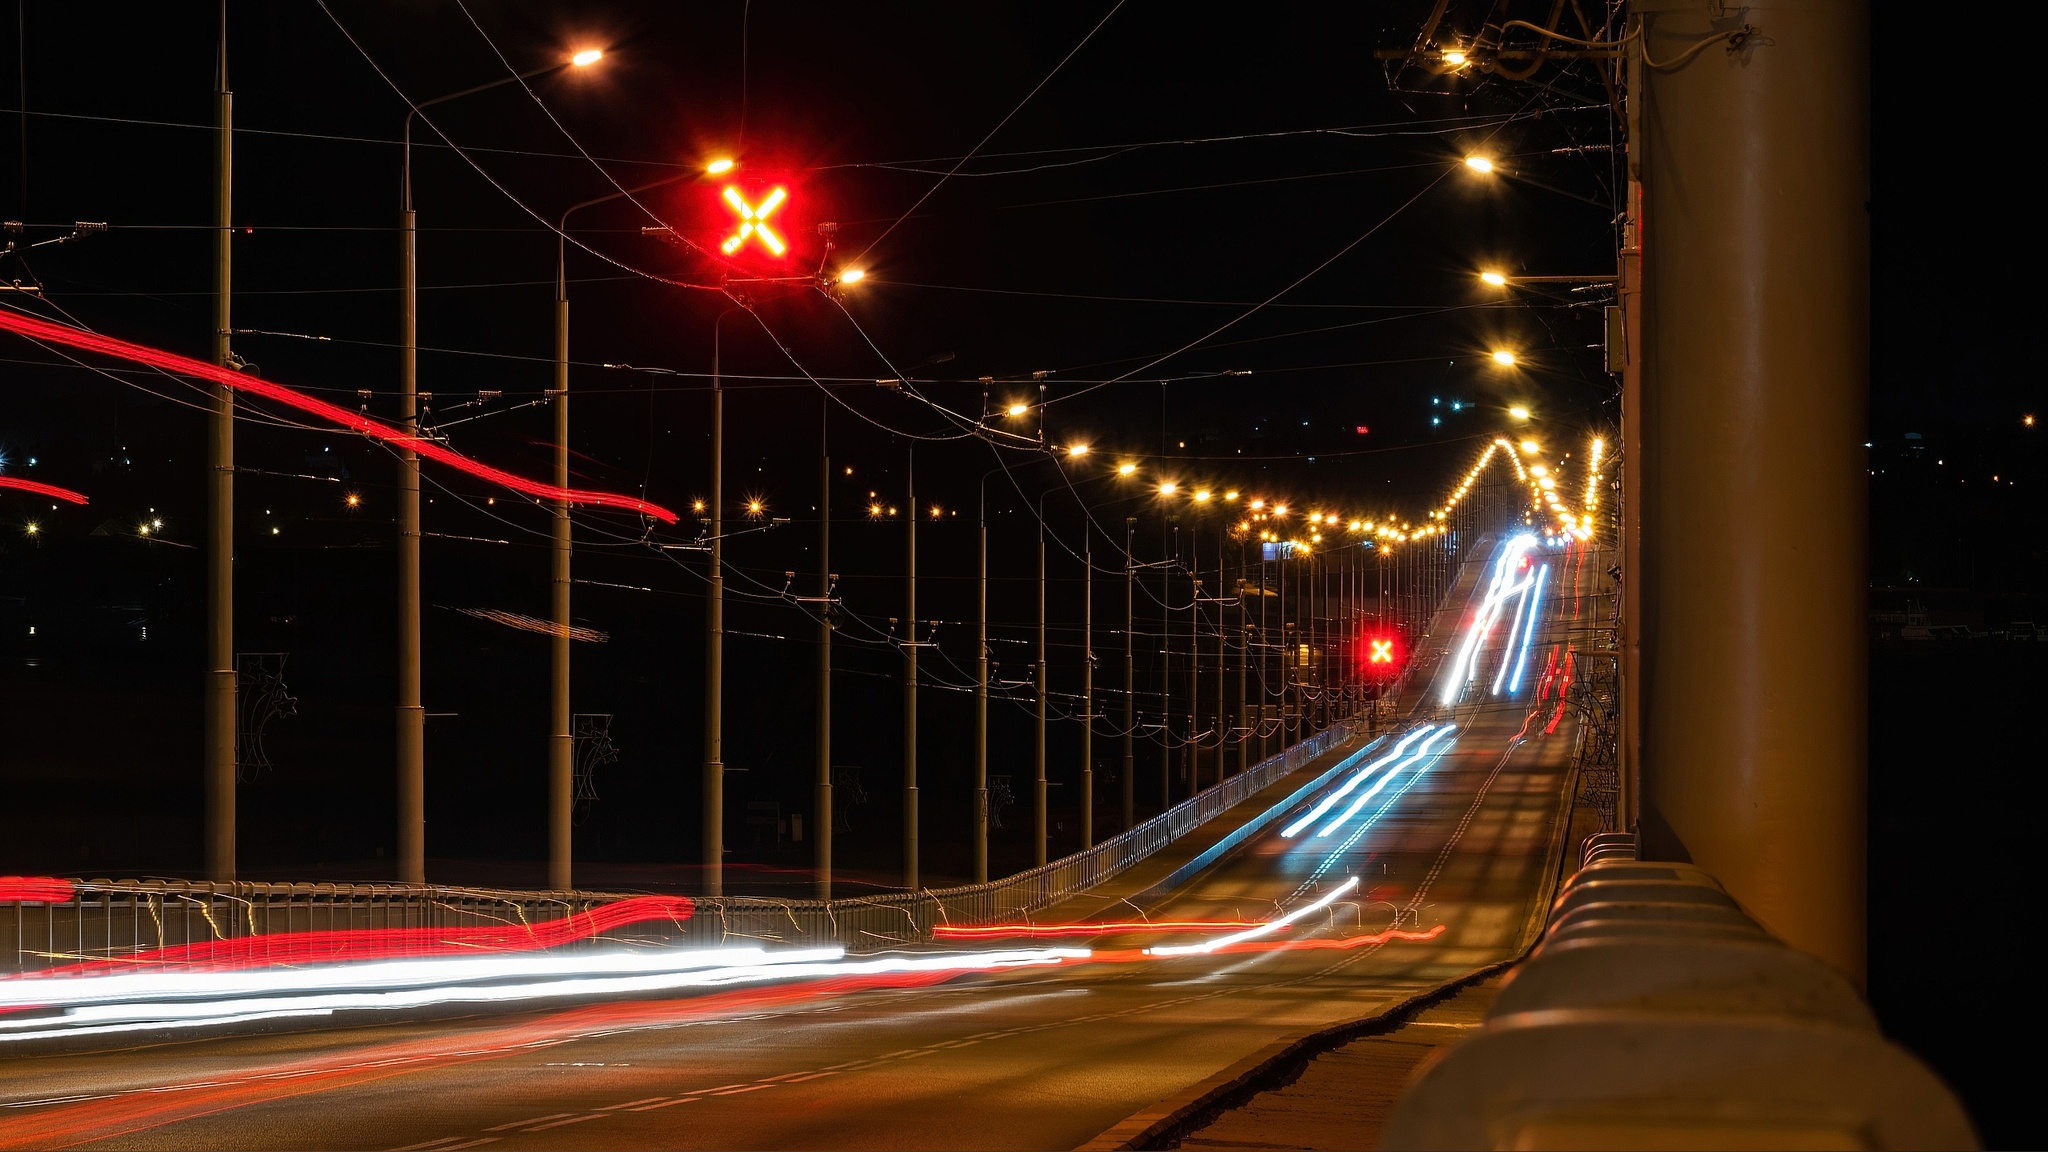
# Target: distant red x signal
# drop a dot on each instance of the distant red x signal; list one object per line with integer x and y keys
{"x": 754, "y": 221}
{"x": 1382, "y": 652}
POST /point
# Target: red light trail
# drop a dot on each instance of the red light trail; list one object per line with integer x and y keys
{"x": 287, "y": 948}
{"x": 40, "y": 489}
{"x": 34, "y": 890}
{"x": 36, "y": 328}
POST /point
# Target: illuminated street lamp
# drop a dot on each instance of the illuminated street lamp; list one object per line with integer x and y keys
{"x": 1479, "y": 163}
{"x": 1018, "y": 409}
{"x": 1127, "y": 468}
{"x": 719, "y": 167}
{"x": 412, "y": 819}
{"x": 1504, "y": 357}
{"x": 1519, "y": 412}
{"x": 1494, "y": 278}
{"x": 852, "y": 276}
{"x": 1077, "y": 449}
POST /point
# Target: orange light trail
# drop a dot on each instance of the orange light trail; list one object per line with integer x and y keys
{"x": 36, "y": 328}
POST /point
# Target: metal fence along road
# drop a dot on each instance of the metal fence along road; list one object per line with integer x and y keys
{"x": 198, "y": 923}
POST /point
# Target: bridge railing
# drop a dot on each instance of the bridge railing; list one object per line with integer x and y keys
{"x": 197, "y": 922}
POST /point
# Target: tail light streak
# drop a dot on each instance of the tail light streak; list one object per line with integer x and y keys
{"x": 36, "y": 328}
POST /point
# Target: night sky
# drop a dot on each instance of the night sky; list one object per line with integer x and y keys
{"x": 1115, "y": 232}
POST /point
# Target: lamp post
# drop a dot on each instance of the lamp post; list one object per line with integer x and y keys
{"x": 561, "y": 738}
{"x": 411, "y": 714}
{"x": 910, "y": 674}
{"x": 1130, "y": 764}
{"x": 714, "y": 634}
{"x": 219, "y": 715}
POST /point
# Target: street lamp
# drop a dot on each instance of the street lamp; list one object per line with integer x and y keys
{"x": 1503, "y": 357}
{"x": 1479, "y": 163}
{"x": 1519, "y": 412}
{"x": 412, "y": 730}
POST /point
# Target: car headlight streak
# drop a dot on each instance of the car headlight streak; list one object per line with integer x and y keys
{"x": 1535, "y": 601}
{"x": 1504, "y": 583}
{"x": 1266, "y": 929}
{"x": 1330, "y": 801}
{"x": 1387, "y": 778}
{"x": 92, "y": 1007}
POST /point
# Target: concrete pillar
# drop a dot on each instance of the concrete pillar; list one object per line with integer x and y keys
{"x": 1755, "y": 171}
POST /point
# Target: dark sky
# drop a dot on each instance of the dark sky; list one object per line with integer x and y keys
{"x": 1178, "y": 169}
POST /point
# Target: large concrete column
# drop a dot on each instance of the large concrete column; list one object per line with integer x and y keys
{"x": 1755, "y": 170}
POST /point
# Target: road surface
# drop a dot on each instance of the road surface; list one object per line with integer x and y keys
{"x": 1458, "y": 844}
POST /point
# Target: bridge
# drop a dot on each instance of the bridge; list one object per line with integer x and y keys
{"x": 1552, "y": 772}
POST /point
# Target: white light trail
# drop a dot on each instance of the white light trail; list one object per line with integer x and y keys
{"x": 1330, "y": 800}
{"x": 1265, "y": 929}
{"x": 381, "y": 975}
{"x": 1465, "y": 667}
{"x": 1535, "y": 599}
{"x": 100, "y": 1018}
{"x": 1507, "y": 651}
{"x": 1382, "y": 782}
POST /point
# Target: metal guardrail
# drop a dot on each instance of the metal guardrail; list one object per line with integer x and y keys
{"x": 116, "y": 919}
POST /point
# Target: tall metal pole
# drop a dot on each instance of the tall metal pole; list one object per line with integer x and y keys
{"x": 1222, "y": 729}
{"x": 1130, "y": 792}
{"x": 821, "y": 787}
{"x": 220, "y": 524}
{"x": 1194, "y": 746}
{"x": 1087, "y": 691}
{"x": 1166, "y": 668}
{"x": 910, "y": 673}
{"x": 1244, "y": 660}
{"x": 1038, "y": 790}
{"x": 561, "y": 738}
{"x": 1265, "y": 647}
{"x": 981, "y": 695}
{"x": 411, "y": 715}
{"x": 714, "y": 638}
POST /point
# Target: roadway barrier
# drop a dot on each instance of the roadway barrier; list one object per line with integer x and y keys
{"x": 47, "y": 924}
{"x": 1656, "y": 1014}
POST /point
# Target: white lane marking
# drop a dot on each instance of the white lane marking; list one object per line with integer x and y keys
{"x": 529, "y": 1120}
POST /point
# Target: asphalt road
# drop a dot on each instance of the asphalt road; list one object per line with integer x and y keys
{"x": 1462, "y": 846}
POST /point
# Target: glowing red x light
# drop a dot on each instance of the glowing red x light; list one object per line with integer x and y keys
{"x": 754, "y": 221}
{"x": 38, "y": 329}
{"x": 50, "y": 490}
{"x": 1382, "y": 652}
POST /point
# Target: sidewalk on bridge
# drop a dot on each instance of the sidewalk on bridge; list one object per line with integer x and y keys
{"x": 1342, "y": 1098}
